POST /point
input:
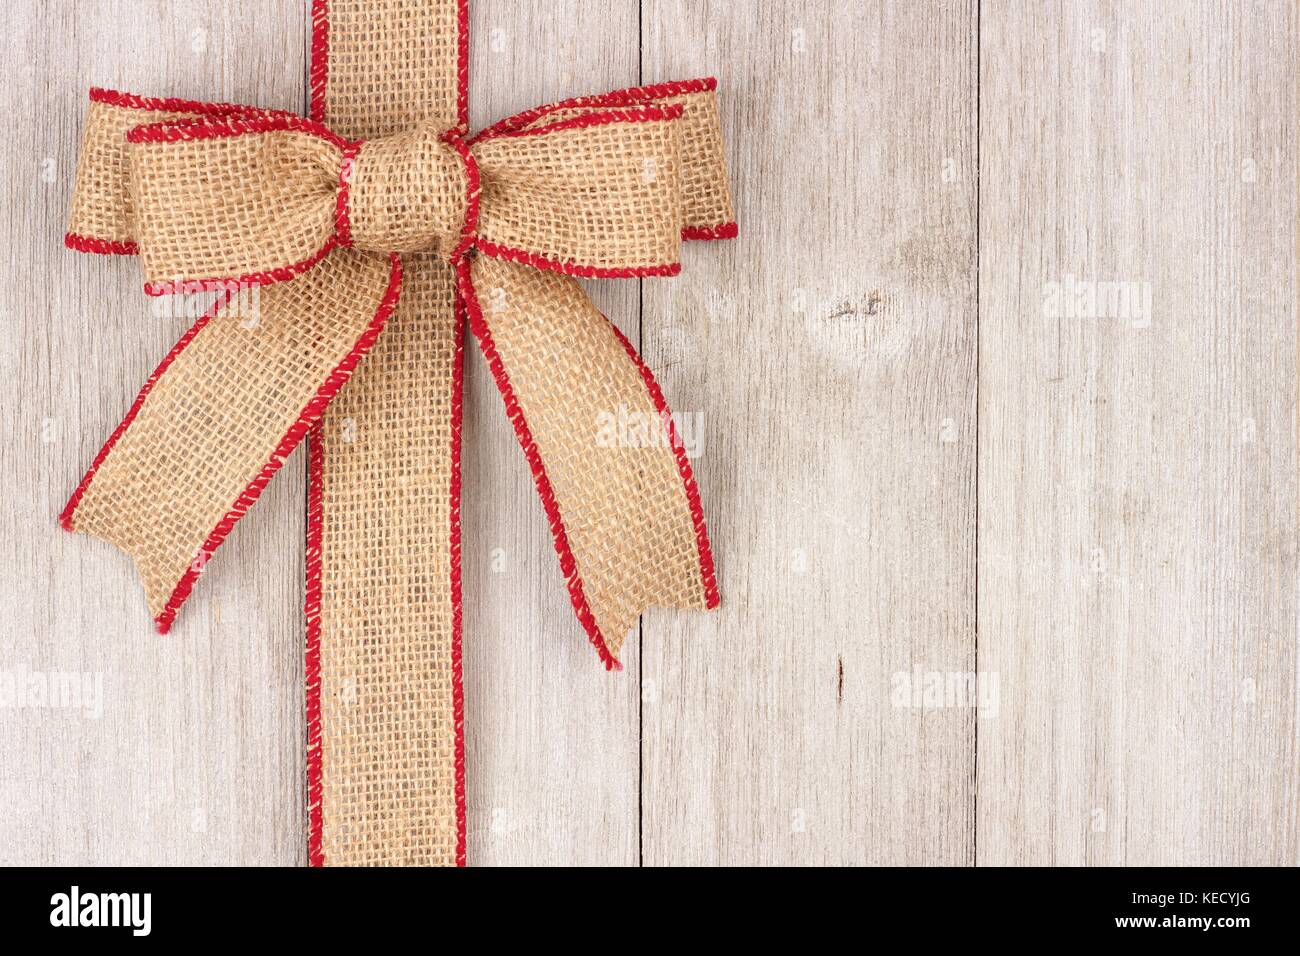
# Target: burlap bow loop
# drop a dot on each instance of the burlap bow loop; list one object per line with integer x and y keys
{"x": 229, "y": 195}
{"x": 245, "y": 199}
{"x": 351, "y": 251}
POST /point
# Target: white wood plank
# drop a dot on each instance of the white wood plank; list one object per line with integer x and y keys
{"x": 551, "y": 738}
{"x": 196, "y": 755}
{"x": 1138, "y": 485}
{"x": 831, "y": 353}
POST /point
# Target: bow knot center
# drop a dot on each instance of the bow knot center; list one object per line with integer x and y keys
{"x": 403, "y": 193}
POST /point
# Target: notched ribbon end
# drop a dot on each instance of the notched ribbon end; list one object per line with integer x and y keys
{"x": 711, "y": 603}
{"x": 163, "y": 622}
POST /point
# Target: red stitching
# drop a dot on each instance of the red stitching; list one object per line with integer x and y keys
{"x": 645, "y": 114}
{"x": 310, "y": 414}
{"x": 174, "y": 131}
{"x": 269, "y": 277}
{"x": 103, "y": 247}
{"x": 727, "y": 230}
{"x": 66, "y": 517}
{"x": 172, "y": 104}
{"x": 642, "y": 114}
{"x": 315, "y": 517}
{"x": 568, "y": 565}
{"x": 342, "y": 221}
{"x": 633, "y": 96}
{"x": 315, "y": 513}
{"x": 524, "y": 257}
{"x": 320, "y": 47}
{"x": 462, "y": 65}
{"x": 457, "y": 686}
{"x": 457, "y": 415}
{"x": 659, "y": 91}
{"x": 708, "y": 574}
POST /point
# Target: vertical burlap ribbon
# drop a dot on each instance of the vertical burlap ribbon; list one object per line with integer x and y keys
{"x": 386, "y": 712}
{"x": 374, "y": 233}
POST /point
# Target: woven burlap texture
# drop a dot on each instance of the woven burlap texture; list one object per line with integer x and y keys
{"x": 211, "y": 423}
{"x": 387, "y": 718}
{"x": 238, "y": 198}
{"x": 388, "y": 729}
{"x": 231, "y": 205}
{"x": 101, "y": 202}
{"x": 408, "y": 193}
{"x": 608, "y": 183}
{"x": 625, "y": 511}
{"x": 604, "y": 196}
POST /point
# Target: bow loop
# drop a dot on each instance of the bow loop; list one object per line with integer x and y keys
{"x": 586, "y": 191}
{"x": 213, "y": 195}
{"x": 243, "y": 199}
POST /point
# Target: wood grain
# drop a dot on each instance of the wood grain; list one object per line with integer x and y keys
{"x": 197, "y": 755}
{"x": 1138, "y": 484}
{"x": 551, "y": 737}
{"x": 831, "y": 353}
{"x": 910, "y": 465}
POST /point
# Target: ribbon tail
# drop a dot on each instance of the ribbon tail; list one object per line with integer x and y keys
{"x": 606, "y": 456}
{"x": 218, "y": 417}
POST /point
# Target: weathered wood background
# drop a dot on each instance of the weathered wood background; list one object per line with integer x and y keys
{"x": 913, "y": 465}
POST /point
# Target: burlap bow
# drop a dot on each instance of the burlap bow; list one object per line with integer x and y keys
{"x": 381, "y": 212}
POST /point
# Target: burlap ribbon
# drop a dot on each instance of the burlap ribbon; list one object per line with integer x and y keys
{"x": 366, "y": 236}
